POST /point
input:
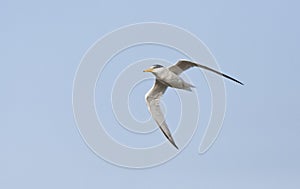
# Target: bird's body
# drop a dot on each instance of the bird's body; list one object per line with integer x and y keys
{"x": 169, "y": 77}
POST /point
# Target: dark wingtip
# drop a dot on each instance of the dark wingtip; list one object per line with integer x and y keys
{"x": 175, "y": 146}
{"x": 240, "y": 83}
{"x": 172, "y": 142}
{"x": 217, "y": 72}
{"x": 231, "y": 78}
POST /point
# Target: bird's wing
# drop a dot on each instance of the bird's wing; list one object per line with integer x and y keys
{"x": 183, "y": 65}
{"x": 153, "y": 99}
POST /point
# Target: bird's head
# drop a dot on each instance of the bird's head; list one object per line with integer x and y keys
{"x": 154, "y": 69}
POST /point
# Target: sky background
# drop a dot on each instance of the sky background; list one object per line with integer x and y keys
{"x": 42, "y": 43}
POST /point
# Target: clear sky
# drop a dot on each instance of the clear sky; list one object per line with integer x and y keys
{"x": 42, "y": 43}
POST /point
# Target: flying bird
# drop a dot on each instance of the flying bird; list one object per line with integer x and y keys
{"x": 169, "y": 77}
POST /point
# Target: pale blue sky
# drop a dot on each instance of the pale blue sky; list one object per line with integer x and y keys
{"x": 42, "y": 43}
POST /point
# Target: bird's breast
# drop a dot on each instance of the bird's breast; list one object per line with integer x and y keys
{"x": 172, "y": 80}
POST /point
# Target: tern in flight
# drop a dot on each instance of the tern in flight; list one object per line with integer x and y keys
{"x": 169, "y": 77}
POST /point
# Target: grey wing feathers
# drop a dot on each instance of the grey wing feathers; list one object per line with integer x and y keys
{"x": 183, "y": 65}
{"x": 153, "y": 103}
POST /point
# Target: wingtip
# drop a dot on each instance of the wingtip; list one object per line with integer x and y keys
{"x": 241, "y": 83}
{"x": 173, "y": 143}
{"x": 175, "y": 146}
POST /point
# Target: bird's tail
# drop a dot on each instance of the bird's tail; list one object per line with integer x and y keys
{"x": 188, "y": 87}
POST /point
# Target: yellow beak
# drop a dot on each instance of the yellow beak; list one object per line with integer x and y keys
{"x": 148, "y": 70}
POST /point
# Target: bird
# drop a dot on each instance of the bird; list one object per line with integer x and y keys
{"x": 170, "y": 77}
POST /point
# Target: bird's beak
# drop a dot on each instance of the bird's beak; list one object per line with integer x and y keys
{"x": 148, "y": 70}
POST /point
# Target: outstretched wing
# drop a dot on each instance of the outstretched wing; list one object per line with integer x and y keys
{"x": 153, "y": 103}
{"x": 183, "y": 65}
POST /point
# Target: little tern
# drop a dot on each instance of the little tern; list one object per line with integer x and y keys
{"x": 169, "y": 77}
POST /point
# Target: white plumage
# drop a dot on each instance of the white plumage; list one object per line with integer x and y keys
{"x": 169, "y": 77}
